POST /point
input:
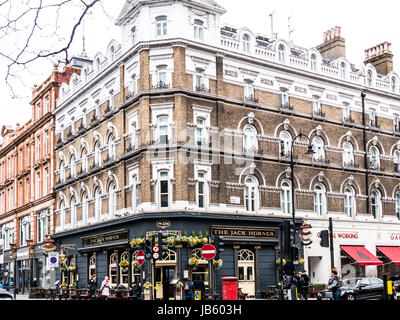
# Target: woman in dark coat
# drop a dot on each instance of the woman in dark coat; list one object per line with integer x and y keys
{"x": 93, "y": 286}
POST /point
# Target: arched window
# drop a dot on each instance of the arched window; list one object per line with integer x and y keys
{"x": 313, "y": 62}
{"x": 376, "y": 204}
{"x": 251, "y": 194}
{"x": 397, "y": 161}
{"x": 124, "y": 271}
{"x": 73, "y": 166}
{"x": 113, "y": 269}
{"x": 98, "y": 65}
{"x": 62, "y": 214}
{"x": 84, "y": 160}
{"x": 374, "y": 158}
{"x": 250, "y": 144}
{"x": 62, "y": 171}
{"x": 135, "y": 270}
{"x": 112, "y": 54}
{"x": 319, "y": 200}
{"x": 135, "y": 192}
{"x": 198, "y": 30}
{"x": 369, "y": 78}
{"x": 85, "y": 207}
{"x": 286, "y": 144}
{"x": 112, "y": 199}
{"x": 349, "y": 202}
{"x": 319, "y": 151}
{"x": 393, "y": 85}
{"x": 348, "y": 154}
{"x": 97, "y": 203}
{"x": 343, "y": 70}
{"x": 281, "y": 53}
{"x": 286, "y": 202}
{"x": 97, "y": 154}
{"x": 161, "y": 26}
{"x": 398, "y": 205}
{"x": 92, "y": 266}
{"x": 73, "y": 211}
{"x": 111, "y": 147}
{"x": 246, "y": 43}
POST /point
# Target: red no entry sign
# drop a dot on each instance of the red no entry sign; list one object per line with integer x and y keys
{"x": 208, "y": 252}
{"x": 140, "y": 257}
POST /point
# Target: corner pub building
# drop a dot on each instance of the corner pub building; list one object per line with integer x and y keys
{"x": 187, "y": 127}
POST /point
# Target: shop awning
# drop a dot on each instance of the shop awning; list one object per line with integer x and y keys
{"x": 393, "y": 253}
{"x": 362, "y": 255}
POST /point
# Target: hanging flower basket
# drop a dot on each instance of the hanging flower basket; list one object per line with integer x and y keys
{"x": 136, "y": 265}
{"x": 279, "y": 261}
{"x": 137, "y": 242}
{"x": 217, "y": 264}
{"x": 194, "y": 262}
{"x": 71, "y": 268}
{"x": 301, "y": 261}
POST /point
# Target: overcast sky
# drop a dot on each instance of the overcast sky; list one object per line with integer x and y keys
{"x": 364, "y": 24}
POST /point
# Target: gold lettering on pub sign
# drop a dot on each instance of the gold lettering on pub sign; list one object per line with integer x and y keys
{"x": 105, "y": 238}
{"x": 252, "y": 233}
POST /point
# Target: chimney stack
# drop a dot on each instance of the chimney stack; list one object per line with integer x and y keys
{"x": 334, "y": 46}
{"x": 381, "y": 57}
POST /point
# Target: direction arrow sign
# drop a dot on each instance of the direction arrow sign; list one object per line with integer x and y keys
{"x": 140, "y": 257}
{"x": 156, "y": 249}
{"x": 208, "y": 252}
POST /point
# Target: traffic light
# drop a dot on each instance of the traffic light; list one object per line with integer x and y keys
{"x": 162, "y": 244}
{"x": 148, "y": 249}
{"x": 292, "y": 234}
{"x": 324, "y": 238}
{"x": 218, "y": 243}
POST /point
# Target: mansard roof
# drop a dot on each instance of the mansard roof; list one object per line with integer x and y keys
{"x": 131, "y": 5}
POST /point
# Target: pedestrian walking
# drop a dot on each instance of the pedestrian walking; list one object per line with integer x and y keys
{"x": 335, "y": 284}
{"x": 199, "y": 286}
{"x": 105, "y": 287}
{"x": 93, "y": 286}
{"x": 305, "y": 284}
{"x": 188, "y": 290}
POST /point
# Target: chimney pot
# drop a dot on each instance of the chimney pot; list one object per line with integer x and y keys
{"x": 334, "y": 46}
{"x": 381, "y": 57}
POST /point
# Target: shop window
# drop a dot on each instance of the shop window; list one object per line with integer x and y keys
{"x": 286, "y": 203}
{"x": 92, "y": 266}
{"x": 72, "y": 274}
{"x": 113, "y": 270}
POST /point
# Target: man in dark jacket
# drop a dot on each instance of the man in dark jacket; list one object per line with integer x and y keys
{"x": 287, "y": 281}
{"x": 93, "y": 286}
{"x": 199, "y": 286}
{"x": 136, "y": 290}
{"x": 304, "y": 284}
{"x": 188, "y": 290}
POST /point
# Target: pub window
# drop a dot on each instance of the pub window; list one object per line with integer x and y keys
{"x": 201, "y": 272}
{"x": 113, "y": 270}
{"x": 124, "y": 271}
{"x": 92, "y": 266}
{"x": 135, "y": 270}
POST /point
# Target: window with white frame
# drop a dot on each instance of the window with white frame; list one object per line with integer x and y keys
{"x": 97, "y": 203}
{"x": 38, "y": 185}
{"x": 163, "y": 184}
{"x": 85, "y": 207}
{"x": 62, "y": 171}
{"x": 320, "y": 200}
{"x": 284, "y": 97}
{"x": 113, "y": 269}
{"x": 349, "y": 202}
{"x": 39, "y": 110}
{"x": 393, "y": 85}
{"x": 112, "y": 54}
{"x": 134, "y": 129}
{"x": 112, "y": 147}
{"x": 199, "y": 80}
{"x": 39, "y": 148}
{"x": 246, "y": 43}
{"x": 248, "y": 89}
{"x": 62, "y": 214}
{"x": 112, "y": 199}
{"x": 47, "y": 102}
{"x": 250, "y": 143}
{"x": 201, "y": 137}
{"x": 396, "y": 123}
{"x": 73, "y": 166}
{"x": 161, "y": 26}
{"x": 92, "y": 266}
{"x": 346, "y": 112}
{"x": 348, "y": 154}
{"x": 376, "y": 205}
{"x": 85, "y": 166}
{"x": 319, "y": 151}
{"x": 286, "y": 198}
{"x": 73, "y": 211}
{"x": 97, "y": 154}
{"x": 316, "y": 105}
{"x": 199, "y": 30}
{"x": 374, "y": 158}
{"x": 285, "y": 144}
{"x": 372, "y": 118}
{"x": 281, "y": 53}
{"x": 25, "y": 230}
{"x": 163, "y": 129}
{"x": 47, "y": 142}
{"x": 124, "y": 271}
{"x": 135, "y": 190}
{"x": 202, "y": 190}
{"x": 369, "y": 78}
{"x": 342, "y": 70}
{"x": 397, "y": 205}
{"x": 251, "y": 194}
{"x": 396, "y": 160}
{"x": 8, "y": 234}
{"x": 313, "y": 62}
{"x": 162, "y": 75}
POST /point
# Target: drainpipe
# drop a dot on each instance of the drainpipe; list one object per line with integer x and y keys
{"x": 363, "y": 95}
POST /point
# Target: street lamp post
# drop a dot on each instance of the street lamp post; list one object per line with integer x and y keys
{"x": 310, "y": 151}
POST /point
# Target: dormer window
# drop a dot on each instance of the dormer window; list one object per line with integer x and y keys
{"x": 281, "y": 53}
{"x": 133, "y": 35}
{"x": 246, "y": 43}
{"x": 343, "y": 70}
{"x": 198, "y": 30}
{"x": 161, "y": 26}
{"x": 112, "y": 54}
{"x": 369, "y": 78}
{"x": 393, "y": 85}
{"x": 313, "y": 62}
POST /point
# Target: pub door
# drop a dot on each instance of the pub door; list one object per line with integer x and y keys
{"x": 164, "y": 276}
{"x": 246, "y": 272}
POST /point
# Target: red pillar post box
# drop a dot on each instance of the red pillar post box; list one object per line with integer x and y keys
{"x": 230, "y": 288}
